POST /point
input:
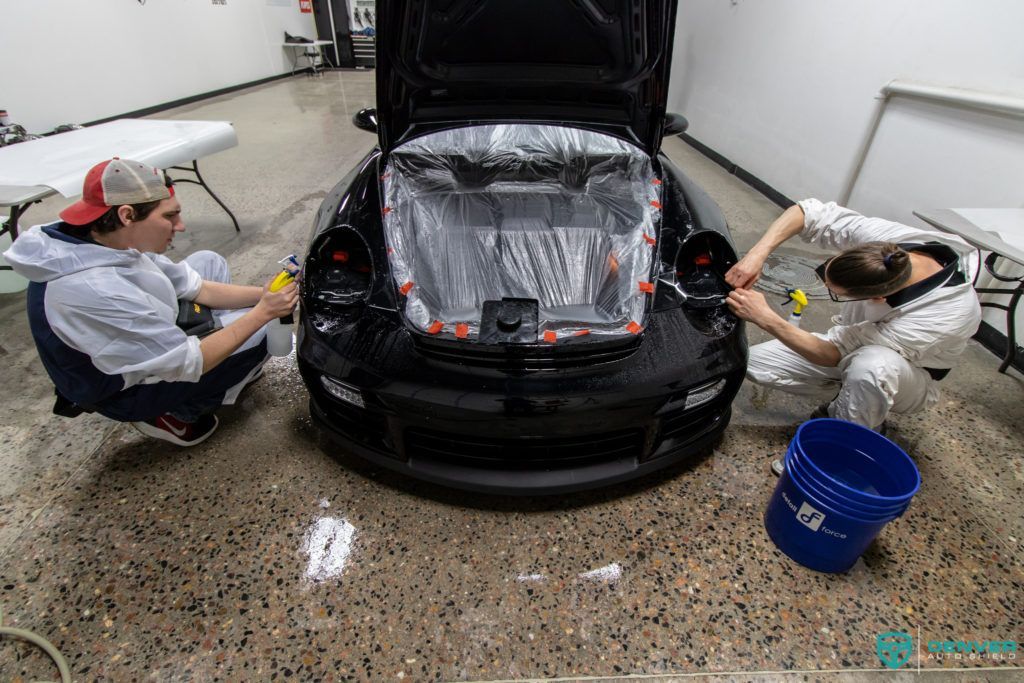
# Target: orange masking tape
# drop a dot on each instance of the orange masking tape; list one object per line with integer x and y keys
{"x": 634, "y": 327}
{"x": 462, "y": 330}
{"x": 406, "y": 288}
{"x": 581, "y": 333}
{"x": 435, "y": 327}
{"x": 550, "y": 337}
{"x": 650, "y": 240}
{"x": 656, "y": 204}
{"x": 647, "y": 287}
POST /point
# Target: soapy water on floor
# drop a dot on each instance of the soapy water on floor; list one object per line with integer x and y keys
{"x": 782, "y": 272}
{"x": 328, "y": 543}
{"x": 607, "y": 574}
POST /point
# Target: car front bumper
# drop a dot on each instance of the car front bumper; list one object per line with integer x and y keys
{"x": 513, "y": 431}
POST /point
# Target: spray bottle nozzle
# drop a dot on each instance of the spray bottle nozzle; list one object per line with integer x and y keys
{"x": 798, "y": 297}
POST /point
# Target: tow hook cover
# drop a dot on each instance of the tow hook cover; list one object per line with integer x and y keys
{"x": 509, "y": 321}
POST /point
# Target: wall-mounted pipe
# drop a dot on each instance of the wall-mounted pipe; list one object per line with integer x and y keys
{"x": 1012, "y": 105}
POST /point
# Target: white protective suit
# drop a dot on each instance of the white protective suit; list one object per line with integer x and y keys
{"x": 119, "y": 306}
{"x": 890, "y": 350}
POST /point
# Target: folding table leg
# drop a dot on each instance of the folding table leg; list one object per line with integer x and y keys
{"x": 1011, "y": 328}
{"x": 202, "y": 183}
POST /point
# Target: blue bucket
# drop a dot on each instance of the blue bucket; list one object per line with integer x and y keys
{"x": 857, "y": 462}
{"x": 818, "y": 495}
{"x": 807, "y": 478}
{"x": 842, "y": 484}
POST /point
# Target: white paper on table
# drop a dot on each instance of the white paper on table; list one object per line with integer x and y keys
{"x": 61, "y": 161}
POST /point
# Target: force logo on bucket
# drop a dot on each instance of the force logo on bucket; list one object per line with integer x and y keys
{"x": 894, "y": 648}
{"x": 811, "y": 518}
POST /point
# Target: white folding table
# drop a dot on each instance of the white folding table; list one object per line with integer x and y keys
{"x": 1001, "y": 232}
{"x": 31, "y": 171}
{"x": 315, "y": 57}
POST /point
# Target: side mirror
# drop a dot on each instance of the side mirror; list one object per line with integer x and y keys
{"x": 366, "y": 119}
{"x": 675, "y": 124}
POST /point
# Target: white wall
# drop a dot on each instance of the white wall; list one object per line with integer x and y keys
{"x": 786, "y": 90}
{"x": 70, "y": 61}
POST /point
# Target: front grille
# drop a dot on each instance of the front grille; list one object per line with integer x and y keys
{"x": 537, "y": 357}
{"x": 522, "y": 453}
{"x": 357, "y": 424}
{"x": 684, "y": 423}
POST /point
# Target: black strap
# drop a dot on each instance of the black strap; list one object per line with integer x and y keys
{"x": 65, "y": 407}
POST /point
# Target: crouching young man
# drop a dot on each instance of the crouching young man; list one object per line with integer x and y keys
{"x": 908, "y": 309}
{"x": 103, "y": 306}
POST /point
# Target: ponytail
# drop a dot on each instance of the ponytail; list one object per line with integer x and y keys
{"x": 874, "y": 269}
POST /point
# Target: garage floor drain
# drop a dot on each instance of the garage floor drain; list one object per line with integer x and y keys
{"x": 782, "y": 272}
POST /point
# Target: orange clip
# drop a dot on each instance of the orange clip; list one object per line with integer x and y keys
{"x": 581, "y": 333}
{"x": 650, "y": 240}
{"x": 550, "y": 337}
{"x": 647, "y": 287}
{"x": 633, "y": 327}
{"x": 435, "y": 327}
{"x": 462, "y": 330}
{"x": 655, "y": 203}
{"x": 405, "y": 289}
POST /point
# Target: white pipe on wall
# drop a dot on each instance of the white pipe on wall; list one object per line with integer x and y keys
{"x": 973, "y": 99}
{"x": 962, "y": 97}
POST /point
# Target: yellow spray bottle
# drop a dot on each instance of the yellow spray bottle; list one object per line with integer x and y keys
{"x": 798, "y": 297}
{"x": 279, "y": 332}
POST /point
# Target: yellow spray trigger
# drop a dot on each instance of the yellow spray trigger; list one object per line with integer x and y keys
{"x": 282, "y": 279}
{"x": 798, "y": 296}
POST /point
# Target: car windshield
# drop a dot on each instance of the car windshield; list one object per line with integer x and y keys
{"x": 559, "y": 215}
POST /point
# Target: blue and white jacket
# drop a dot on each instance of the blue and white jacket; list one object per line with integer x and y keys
{"x": 104, "y": 319}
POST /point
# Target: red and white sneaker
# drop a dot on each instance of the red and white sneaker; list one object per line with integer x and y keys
{"x": 170, "y": 428}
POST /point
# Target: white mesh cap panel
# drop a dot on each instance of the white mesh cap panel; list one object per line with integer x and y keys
{"x": 132, "y": 182}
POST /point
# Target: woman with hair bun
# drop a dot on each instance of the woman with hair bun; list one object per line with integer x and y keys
{"x": 908, "y": 309}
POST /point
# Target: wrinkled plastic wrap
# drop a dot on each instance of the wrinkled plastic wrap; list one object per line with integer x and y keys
{"x": 560, "y": 215}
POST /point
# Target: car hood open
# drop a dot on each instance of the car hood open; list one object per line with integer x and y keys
{"x": 599, "y": 64}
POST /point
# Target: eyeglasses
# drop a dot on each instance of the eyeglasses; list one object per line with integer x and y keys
{"x": 820, "y": 272}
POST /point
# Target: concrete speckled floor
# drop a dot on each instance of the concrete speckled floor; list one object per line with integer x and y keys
{"x": 266, "y": 554}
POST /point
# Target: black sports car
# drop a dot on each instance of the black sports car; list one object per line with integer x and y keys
{"x": 516, "y": 292}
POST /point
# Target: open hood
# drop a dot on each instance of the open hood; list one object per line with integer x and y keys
{"x": 598, "y": 64}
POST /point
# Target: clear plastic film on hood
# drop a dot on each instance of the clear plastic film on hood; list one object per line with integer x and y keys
{"x": 562, "y": 216}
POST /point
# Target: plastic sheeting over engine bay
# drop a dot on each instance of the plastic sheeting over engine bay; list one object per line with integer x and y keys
{"x": 562, "y": 216}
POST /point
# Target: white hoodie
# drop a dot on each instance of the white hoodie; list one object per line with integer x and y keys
{"x": 117, "y": 306}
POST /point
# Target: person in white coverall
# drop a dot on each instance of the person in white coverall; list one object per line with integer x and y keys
{"x": 103, "y": 307}
{"x": 908, "y": 309}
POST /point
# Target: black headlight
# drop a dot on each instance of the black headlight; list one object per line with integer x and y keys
{"x": 701, "y": 265}
{"x": 338, "y": 271}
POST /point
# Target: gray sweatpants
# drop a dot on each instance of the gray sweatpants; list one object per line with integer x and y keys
{"x": 866, "y": 385}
